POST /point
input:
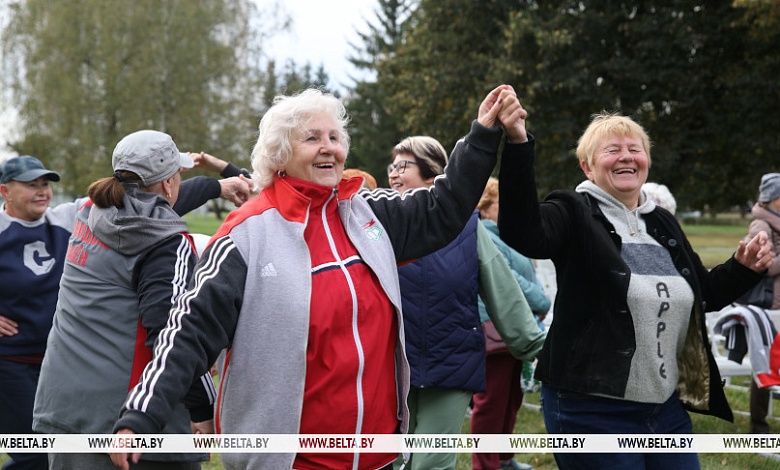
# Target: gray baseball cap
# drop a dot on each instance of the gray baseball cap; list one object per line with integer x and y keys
{"x": 25, "y": 168}
{"x": 151, "y": 155}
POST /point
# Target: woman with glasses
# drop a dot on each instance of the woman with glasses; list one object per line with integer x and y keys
{"x": 444, "y": 340}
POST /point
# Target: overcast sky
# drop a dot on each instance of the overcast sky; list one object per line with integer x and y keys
{"x": 322, "y": 31}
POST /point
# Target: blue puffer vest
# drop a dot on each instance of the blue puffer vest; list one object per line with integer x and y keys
{"x": 444, "y": 340}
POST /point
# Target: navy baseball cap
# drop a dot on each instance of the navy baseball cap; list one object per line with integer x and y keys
{"x": 25, "y": 168}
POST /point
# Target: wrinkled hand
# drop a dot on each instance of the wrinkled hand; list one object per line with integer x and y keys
{"x": 512, "y": 116}
{"x": 204, "y": 427}
{"x": 755, "y": 254}
{"x": 208, "y": 162}
{"x": 237, "y": 189}
{"x": 8, "y": 327}
{"x": 120, "y": 459}
{"x": 490, "y": 106}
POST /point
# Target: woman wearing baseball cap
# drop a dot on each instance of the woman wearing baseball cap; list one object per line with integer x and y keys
{"x": 128, "y": 258}
{"x": 33, "y": 239}
{"x": 34, "y": 243}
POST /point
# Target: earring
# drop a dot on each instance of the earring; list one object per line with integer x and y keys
{"x": 281, "y": 173}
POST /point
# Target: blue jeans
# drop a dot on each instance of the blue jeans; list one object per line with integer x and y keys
{"x": 575, "y": 413}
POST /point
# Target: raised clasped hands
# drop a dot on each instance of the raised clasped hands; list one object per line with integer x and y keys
{"x": 501, "y": 106}
{"x": 756, "y": 253}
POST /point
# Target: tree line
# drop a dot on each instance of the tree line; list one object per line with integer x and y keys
{"x": 700, "y": 76}
{"x": 84, "y": 73}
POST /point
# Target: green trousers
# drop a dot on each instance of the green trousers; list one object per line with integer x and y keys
{"x": 435, "y": 411}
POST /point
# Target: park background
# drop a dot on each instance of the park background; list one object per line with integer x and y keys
{"x": 700, "y": 76}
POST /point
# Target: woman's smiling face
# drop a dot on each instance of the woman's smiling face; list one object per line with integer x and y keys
{"x": 27, "y": 200}
{"x": 404, "y": 174}
{"x": 620, "y": 167}
{"x": 318, "y": 155}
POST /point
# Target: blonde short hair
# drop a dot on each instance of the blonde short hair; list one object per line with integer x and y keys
{"x": 604, "y": 125}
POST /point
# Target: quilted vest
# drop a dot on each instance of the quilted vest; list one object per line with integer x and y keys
{"x": 444, "y": 340}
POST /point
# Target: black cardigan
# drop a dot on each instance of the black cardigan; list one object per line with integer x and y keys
{"x": 591, "y": 341}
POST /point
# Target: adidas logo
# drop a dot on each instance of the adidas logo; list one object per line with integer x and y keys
{"x": 268, "y": 271}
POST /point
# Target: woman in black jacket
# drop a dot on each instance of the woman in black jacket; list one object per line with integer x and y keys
{"x": 627, "y": 351}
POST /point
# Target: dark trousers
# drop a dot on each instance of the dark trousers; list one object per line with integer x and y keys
{"x": 103, "y": 462}
{"x": 495, "y": 409}
{"x": 759, "y": 408}
{"x": 18, "y": 382}
{"x": 573, "y": 413}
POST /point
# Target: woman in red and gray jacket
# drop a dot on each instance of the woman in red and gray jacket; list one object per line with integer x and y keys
{"x": 301, "y": 286}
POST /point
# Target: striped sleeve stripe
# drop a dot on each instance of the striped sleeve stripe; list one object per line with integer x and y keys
{"x": 143, "y": 392}
{"x": 181, "y": 273}
{"x": 208, "y": 386}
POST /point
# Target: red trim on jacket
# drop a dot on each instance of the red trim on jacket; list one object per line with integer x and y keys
{"x": 141, "y": 355}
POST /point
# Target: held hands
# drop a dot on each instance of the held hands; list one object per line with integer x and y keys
{"x": 8, "y": 327}
{"x": 512, "y": 116}
{"x": 491, "y": 106}
{"x": 756, "y": 253}
{"x": 501, "y": 106}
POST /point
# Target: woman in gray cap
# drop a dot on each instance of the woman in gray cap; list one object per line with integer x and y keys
{"x": 129, "y": 257}
{"x": 766, "y": 213}
{"x": 34, "y": 240}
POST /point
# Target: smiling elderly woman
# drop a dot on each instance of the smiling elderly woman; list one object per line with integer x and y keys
{"x": 300, "y": 284}
{"x": 627, "y": 350}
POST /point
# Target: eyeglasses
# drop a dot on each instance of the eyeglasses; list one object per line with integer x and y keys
{"x": 399, "y": 167}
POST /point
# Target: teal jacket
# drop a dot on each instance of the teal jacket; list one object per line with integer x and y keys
{"x": 504, "y": 301}
{"x": 524, "y": 272}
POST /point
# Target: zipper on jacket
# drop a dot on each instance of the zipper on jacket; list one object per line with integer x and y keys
{"x": 355, "y": 332}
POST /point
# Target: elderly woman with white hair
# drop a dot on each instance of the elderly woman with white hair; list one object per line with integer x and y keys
{"x": 301, "y": 286}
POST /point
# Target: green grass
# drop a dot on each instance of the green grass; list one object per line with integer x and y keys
{"x": 714, "y": 243}
{"x": 206, "y": 225}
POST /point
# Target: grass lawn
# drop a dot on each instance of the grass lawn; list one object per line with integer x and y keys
{"x": 714, "y": 244}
